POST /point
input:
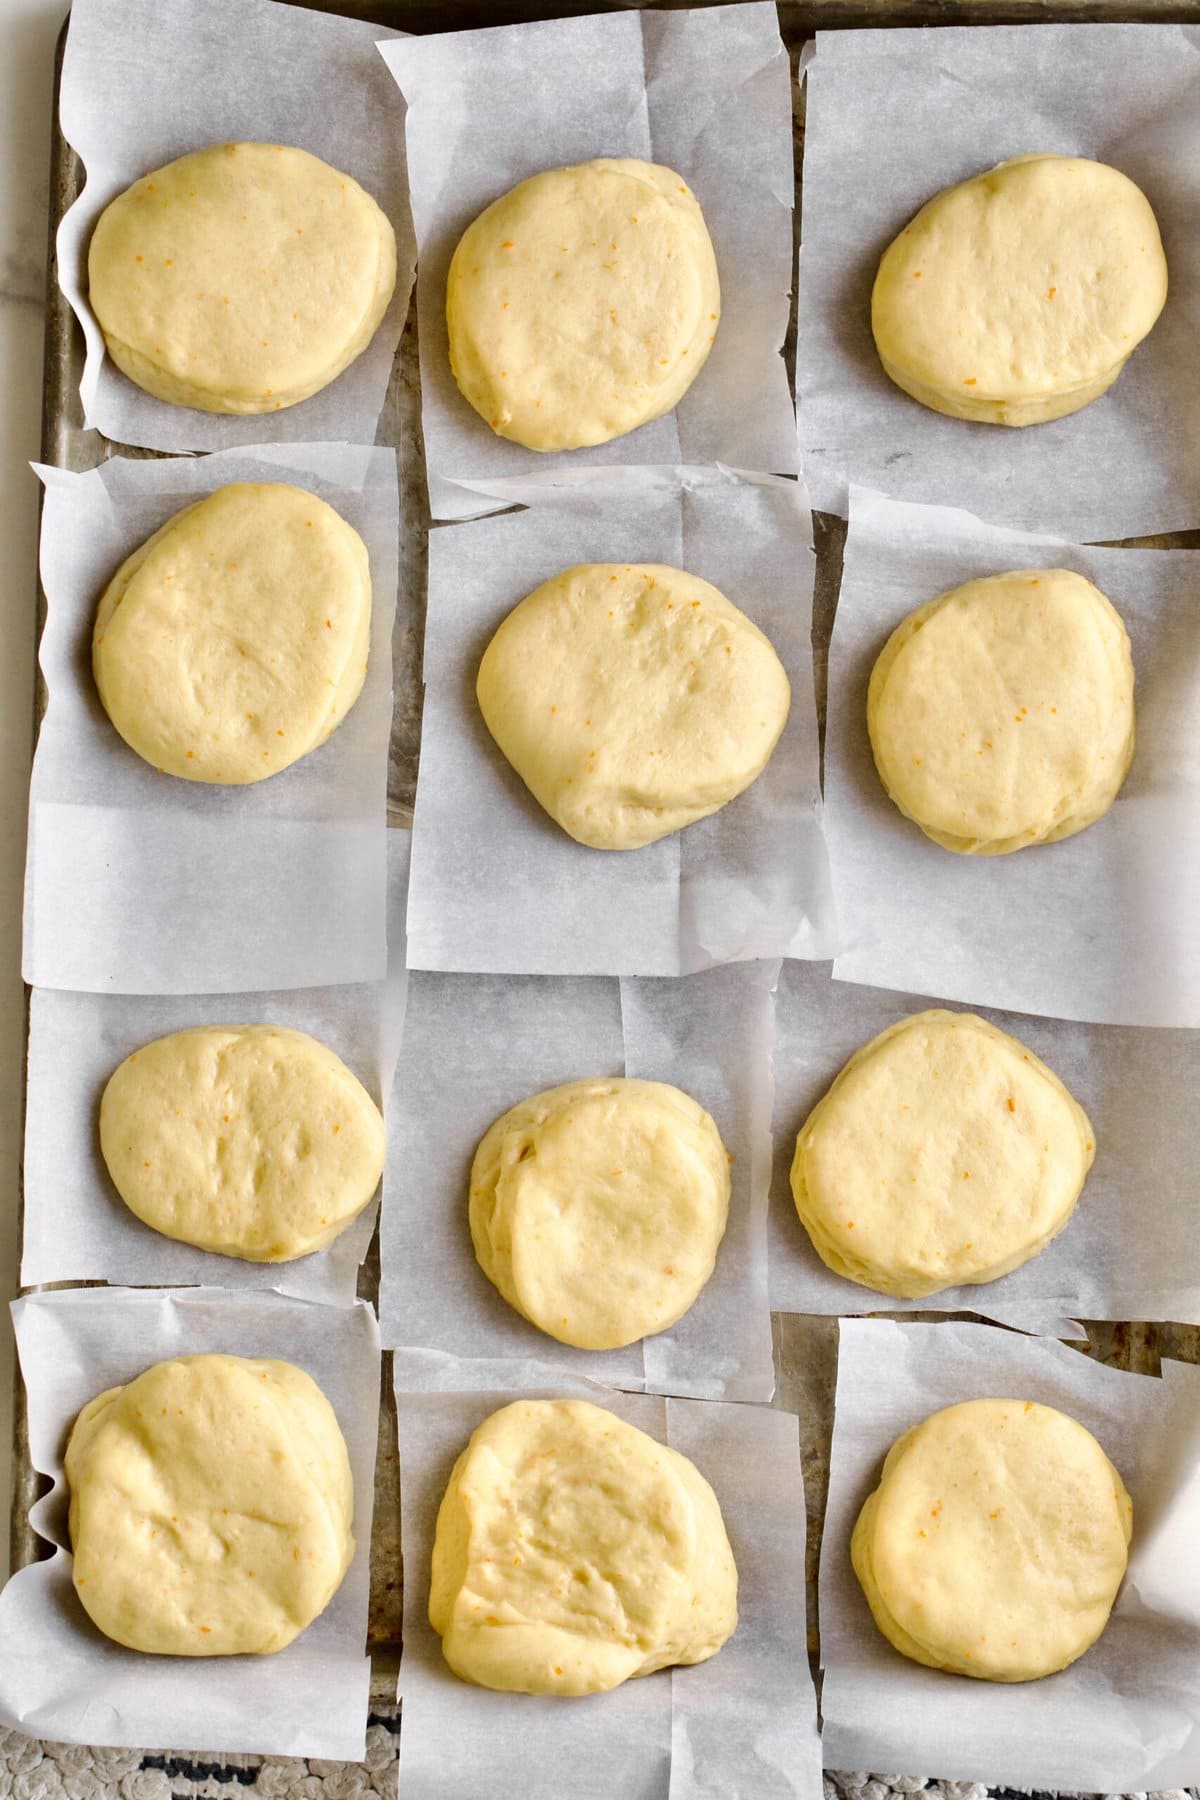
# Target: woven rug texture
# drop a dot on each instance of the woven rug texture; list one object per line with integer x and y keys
{"x": 31, "y": 1770}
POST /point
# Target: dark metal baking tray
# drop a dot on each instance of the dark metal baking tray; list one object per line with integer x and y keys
{"x": 805, "y": 1347}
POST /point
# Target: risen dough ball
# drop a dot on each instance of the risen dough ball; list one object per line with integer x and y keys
{"x": 597, "y": 1208}
{"x": 1001, "y": 713}
{"x": 995, "y": 1542}
{"x": 235, "y": 640}
{"x": 250, "y": 1140}
{"x": 632, "y": 700}
{"x": 211, "y": 1507}
{"x": 241, "y": 278}
{"x": 572, "y": 1552}
{"x": 582, "y": 303}
{"x": 1018, "y": 296}
{"x": 944, "y": 1153}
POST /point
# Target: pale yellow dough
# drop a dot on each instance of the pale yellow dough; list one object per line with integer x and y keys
{"x": 1018, "y": 296}
{"x": 253, "y": 1141}
{"x": 632, "y": 699}
{"x": 995, "y": 1542}
{"x": 235, "y": 640}
{"x": 1001, "y": 713}
{"x": 582, "y": 303}
{"x": 945, "y": 1153}
{"x": 573, "y": 1552}
{"x": 241, "y": 278}
{"x": 211, "y": 1507}
{"x": 597, "y": 1208}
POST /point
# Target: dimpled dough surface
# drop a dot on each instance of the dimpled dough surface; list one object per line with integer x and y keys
{"x": 632, "y": 700}
{"x": 944, "y": 1153}
{"x": 1001, "y": 713}
{"x": 1018, "y": 296}
{"x": 211, "y": 1507}
{"x": 995, "y": 1542}
{"x": 235, "y": 640}
{"x": 597, "y": 1208}
{"x": 573, "y": 1551}
{"x": 582, "y": 303}
{"x": 241, "y": 278}
{"x": 250, "y": 1140}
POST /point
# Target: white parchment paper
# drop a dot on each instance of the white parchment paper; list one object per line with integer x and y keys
{"x": 497, "y": 886}
{"x": 59, "y": 1676}
{"x": 1124, "y": 1717}
{"x": 145, "y": 81}
{"x": 75, "y": 1225}
{"x": 140, "y": 883}
{"x": 894, "y": 116}
{"x": 476, "y": 1044}
{"x": 742, "y": 1723}
{"x": 706, "y": 92}
{"x": 1130, "y": 1250}
{"x": 1101, "y": 926}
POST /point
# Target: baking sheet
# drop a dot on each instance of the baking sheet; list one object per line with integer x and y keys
{"x": 75, "y": 1226}
{"x": 749, "y": 881}
{"x": 942, "y": 106}
{"x": 706, "y": 92}
{"x": 1130, "y": 1250}
{"x": 742, "y": 1723}
{"x": 140, "y": 883}
{"x": 1101, "y": 926}
{"x": 1124, "y": 1717}
{"x": 145, "y": 81}
{"x": 475, "y": 1045}
{"x": 59, "y": 1677}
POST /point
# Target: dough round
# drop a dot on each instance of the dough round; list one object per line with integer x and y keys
{"x": 1019, "y": 295}
{"x": 597, "y": 1208}
{"x": 211, "y": 1507}
{"x": 632, "y": 699}
{"x": 573, "y": 1552}
{"x": 1001, "y": 713}
{"x": 582, "y": 303}
{"x": 250, "y": 1140}
{"x": 241, "y": 278}
{"x": 945, "y": 1153}
{"x": 995, "y": 1542}
{"x": 235, "y": 640}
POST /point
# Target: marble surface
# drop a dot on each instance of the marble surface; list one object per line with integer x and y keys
{"x": 28, "y": 30}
